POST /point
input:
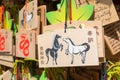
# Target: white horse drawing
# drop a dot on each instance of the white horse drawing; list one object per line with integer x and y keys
{"x": 76, "y": 49}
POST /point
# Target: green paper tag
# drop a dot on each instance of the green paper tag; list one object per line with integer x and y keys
{"x": 82, "y": 13}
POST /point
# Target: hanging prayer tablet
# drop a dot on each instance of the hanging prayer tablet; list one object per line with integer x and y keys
{"x": 6, "y": 48}
{"x": 25, "y": 44}
{"x": 77, "y": 47}
{"x": 30, "y": 12}
{"x": 7, "y": 63}
{"x": 81, "y": 25}
{"x": 6, "y": 41}
{"x": 104, "y": 10}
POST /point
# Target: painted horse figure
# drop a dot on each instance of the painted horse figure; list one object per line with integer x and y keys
{"x": 76, "y": 49}
{"x": 53, "y": 51}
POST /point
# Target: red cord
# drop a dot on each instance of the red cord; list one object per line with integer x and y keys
{"x": 70, "y": 12}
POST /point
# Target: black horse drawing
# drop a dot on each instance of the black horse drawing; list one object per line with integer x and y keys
{"x": 53, "y": 51}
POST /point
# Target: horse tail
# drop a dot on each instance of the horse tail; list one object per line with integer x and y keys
{"x": 88, "y": 46}
{"x": 47, "y": 54}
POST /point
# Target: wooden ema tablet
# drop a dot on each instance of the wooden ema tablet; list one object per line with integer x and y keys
{"x": 53, "y": 48}
{"x": 6, "y": 48}
{"x": 6, "y": 60}
{"x": 25, "y": 44}
{"x": 6, "y": 63}
{"x": 31, "y": 15}
{"x": 82, "y": 24}
{"x": 112, "y": 37}
{"x": 6, "y": 42}
{"x": 104, "y": 10}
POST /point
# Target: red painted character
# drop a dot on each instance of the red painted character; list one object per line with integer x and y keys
{"x": 2, "y": 42}
{"x": 24, "y": 45}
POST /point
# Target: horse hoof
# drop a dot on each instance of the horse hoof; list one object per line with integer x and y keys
{"x": 66, "y": 53}
{"x": 83, "y": 62}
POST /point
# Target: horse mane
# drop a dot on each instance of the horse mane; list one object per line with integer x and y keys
{"x": 71, "y": 41}
{"x": 88, "y": 46}
{"x": 55, "y": 41}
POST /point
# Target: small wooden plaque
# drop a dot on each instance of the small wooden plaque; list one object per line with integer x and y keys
{"x": 31, "y": 15}
{"x": 6, "y": 41}
{"x": 104, "y": 10}
{"x": 81, "y": 25}
{"x": 53, "y": 48}
{"x": 25, "y": 44}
